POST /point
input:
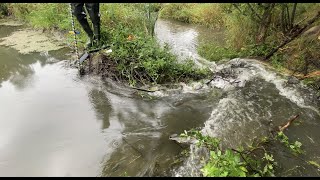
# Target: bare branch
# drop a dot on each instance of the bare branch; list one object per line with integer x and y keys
{"x": 257, "y": 15}
{"x": 293, "y": 14}
{"x": 310, "y": 22}
{"x": 282, "y": 128}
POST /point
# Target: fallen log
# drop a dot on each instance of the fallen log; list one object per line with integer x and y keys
{"x": 296, "y": 34}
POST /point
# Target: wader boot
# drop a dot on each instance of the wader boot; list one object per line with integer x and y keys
{"x": 93, "y": 10}
{"x": 78, "y": 11}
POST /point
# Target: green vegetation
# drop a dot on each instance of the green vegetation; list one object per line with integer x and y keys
{"x": 255, "y": 160}
{"x": 254, "y": 29}
{"x": 3, "y": 10}
{"x": 224, "y": 164}
{"x": 216, "y": 53}
{"x": 127, "y": 29}
{"x": 230, "y": 162}
{"x": 294, "y": 147}
{"x": 314, "y": 164}
{"x": 202, "y": 13}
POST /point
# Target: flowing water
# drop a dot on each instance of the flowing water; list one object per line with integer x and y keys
{"x": 55, "y": 123}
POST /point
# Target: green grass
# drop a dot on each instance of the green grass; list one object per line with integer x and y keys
{"x": 214, "y": 52}
{"x": 207, "y": 14}
{"x": 241, "y": 32}
{"x": 118, "y": 22}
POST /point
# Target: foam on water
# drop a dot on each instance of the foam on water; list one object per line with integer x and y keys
{"x": 232, "y": 112}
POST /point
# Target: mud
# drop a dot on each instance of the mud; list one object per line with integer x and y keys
{"x": 101, "y": 64}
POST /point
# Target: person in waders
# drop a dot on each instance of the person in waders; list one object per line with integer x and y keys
{"x": 93, "y": 11}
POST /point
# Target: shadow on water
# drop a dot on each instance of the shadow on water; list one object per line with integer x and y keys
{"x": 102, "y": 107}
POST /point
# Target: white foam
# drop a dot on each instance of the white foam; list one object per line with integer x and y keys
{"x": 289, "y": 92}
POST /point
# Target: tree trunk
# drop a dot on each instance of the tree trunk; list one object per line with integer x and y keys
{"x": 296, "y": 34}
{"x": 293, "y": 15}
{"x": 265, "y": 23}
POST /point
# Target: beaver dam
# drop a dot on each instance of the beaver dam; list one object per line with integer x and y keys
{"x": 57, "y": 123}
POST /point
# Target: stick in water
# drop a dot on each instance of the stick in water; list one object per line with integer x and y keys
{"x": 281, "y": 128}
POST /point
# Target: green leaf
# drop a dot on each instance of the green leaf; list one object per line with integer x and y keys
{"x": 219, "y": 153}
{"x": 265, "y": 169}
{"x": 256, "y": 175}
{"x": 243, "y": 169}
{"x": 298, "y": 144}
{"x": 242, "y": 174}
{"x": 224, "y": 174}
{"x": 314, "y": 164}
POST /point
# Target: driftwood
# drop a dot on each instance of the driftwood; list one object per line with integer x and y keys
{"x": 289, "y": 122}
{"x": 296, "y": 34}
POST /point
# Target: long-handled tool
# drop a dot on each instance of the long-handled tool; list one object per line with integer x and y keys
{"x": 86, "y": 54}
{"x": 75, "y": 36}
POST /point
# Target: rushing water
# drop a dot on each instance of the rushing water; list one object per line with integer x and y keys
{"x": 255, "y": 100}
{"x": 55, "y": 123}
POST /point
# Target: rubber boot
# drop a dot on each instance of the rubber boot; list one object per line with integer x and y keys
{"x": 78, "y": 11}
{"x": 86, "y": 27}
{"x": 93, "y": 11}
{"x": 96, "y": 31}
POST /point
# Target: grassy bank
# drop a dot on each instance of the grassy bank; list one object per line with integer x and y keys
{"x": 126, "y": 28}
{"x": 248, "y": 36}
{"x": 208, "y": 14}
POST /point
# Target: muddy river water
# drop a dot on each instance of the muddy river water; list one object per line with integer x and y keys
{"x": 55, "y": 123}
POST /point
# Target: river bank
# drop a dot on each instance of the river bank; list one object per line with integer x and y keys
{"x": 241, "y": 98}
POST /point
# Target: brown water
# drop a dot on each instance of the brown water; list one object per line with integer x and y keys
{"x": 55, "y": 123}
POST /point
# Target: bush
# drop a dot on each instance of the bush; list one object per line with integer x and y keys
{"x": 3, "y": 10}
{"x": 143, "y": 54}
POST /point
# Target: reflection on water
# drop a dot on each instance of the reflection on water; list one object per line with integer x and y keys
{"x": 55, "y": 123}
{"x": 102, "y": 107}
{"x": 61, "y": 125}
{"x": 46, "y": 128}
{"x": 18, "y": 68}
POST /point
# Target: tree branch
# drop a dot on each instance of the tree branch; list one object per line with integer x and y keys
{"x": 282, "y": 128}
{"x": 310, "y": 22}
{"x": 293, "y": 15}
{"x": 251, "y": 8}
{"x": 244, "y": 159}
